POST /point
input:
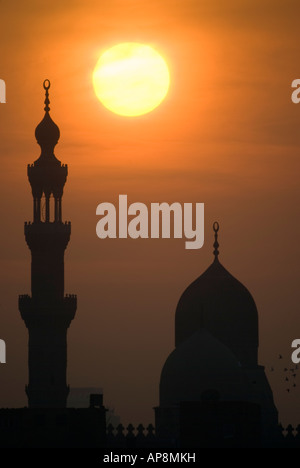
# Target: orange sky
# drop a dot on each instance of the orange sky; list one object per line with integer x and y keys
{"x": 227, "y": 135}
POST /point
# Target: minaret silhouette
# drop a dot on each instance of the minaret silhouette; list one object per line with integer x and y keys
{"x": 47, "y": 313}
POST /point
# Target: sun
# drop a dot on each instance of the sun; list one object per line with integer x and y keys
{"x": 131, "y": 79}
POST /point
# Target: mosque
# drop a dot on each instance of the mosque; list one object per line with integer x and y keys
{"x": 212, "y": 388}
{"x": 214, "y": 363}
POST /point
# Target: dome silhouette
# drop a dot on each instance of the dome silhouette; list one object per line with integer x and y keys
{"x": 199, "y": 366}
{"x": 47, "y": 132}
{"x": 215, "y": 355}
{"x": 215, "y": 358}
{"x": 221, "y": 304}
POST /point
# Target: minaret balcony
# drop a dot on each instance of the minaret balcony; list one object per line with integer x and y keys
{"x": 70, "y": 303}
{"x": 32, "y": 309}
{"x": 47, "y": 235}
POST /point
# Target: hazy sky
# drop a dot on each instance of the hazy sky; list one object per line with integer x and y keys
{"x": 227, "y": 135}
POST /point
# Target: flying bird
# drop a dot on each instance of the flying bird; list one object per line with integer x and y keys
{"x": 280, "y": 356}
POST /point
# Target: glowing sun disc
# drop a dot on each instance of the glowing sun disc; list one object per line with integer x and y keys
{"x": 131, "y": 79}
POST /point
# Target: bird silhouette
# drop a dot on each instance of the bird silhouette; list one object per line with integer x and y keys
{"x": 272, "y": 369}
{"x": 294, "y": 385}
{"x": 294, "y": 375}
{"x": 286, "y": 379}
{"x": 280, "y": 356}
{"x": 287, "y": 389}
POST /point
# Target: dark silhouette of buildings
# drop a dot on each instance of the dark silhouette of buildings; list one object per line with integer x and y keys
{"x": 54, "y": 427}
{"x": 213, "y": 369}
{"x": 213, "y": 392}
{"x": 47, "y": 313}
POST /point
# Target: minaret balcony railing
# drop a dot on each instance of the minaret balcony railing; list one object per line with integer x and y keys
{"x": 67, "y": 305}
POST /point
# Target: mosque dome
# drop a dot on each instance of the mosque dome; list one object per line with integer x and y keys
{"x": 222, "y": 305}
{"x": 201, "y": 366}
{"x": 47, "y": 132}
{"x": 215, "y": 357}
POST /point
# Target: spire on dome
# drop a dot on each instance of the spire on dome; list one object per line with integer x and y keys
{"x": 216, "y": 228}
{"x": 47, "y": 132}
{"x": 46, "y": 85}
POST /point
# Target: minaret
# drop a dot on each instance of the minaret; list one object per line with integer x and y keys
{"x": 47, "y": 313}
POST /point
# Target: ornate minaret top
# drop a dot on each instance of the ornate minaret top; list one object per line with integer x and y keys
{"x": 47, "y": 176}
{"x": 47, "y": 133}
